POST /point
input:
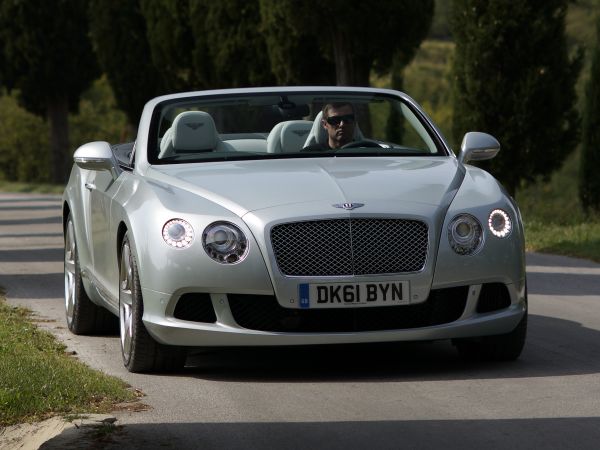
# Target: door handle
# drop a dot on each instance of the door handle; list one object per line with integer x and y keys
{"x": 90, "y": 186}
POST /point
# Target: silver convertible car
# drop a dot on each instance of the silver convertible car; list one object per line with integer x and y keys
{"x": 291, "y": 216}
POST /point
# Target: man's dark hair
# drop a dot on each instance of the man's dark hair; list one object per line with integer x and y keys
{"x": 336, "y": 105}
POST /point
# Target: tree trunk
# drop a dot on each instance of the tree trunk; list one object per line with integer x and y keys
{"x": 58, "y": 118}
{"x": 350, "y": 70}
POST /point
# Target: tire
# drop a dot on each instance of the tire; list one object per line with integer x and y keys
{"x": 141, "y": 353}
{"x": 502, "y": 347}
{"x": 83, "y": 316}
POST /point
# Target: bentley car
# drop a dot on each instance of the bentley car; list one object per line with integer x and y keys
{"x": 291, "y": 216}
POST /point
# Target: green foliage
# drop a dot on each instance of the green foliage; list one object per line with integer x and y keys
{"x": 37, "y": 378}
{"x": 294, "y": 53}
{"x": 118, "y": 30}
{"x": 24, "y": 155}
{"x": 236, "y": 48}
{"x": 47, "y": 52}
{"x": 47, "y": 58}
{"x": 173, "y": 46}
{"x": 508, "y": 83}
{"x": 205, "y": 44}
{"x": 589, "y": 181}
{"x": 358, "y": 36}
{"x": 23, "y": 143}
{"x": 98, "y": 118}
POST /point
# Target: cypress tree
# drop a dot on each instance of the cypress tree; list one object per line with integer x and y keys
{"x": 118, "y": 31}
{"x": 47, "y": 58}
{"x": 356, "y": 36}
{"x": 513, "y": 78}
{"x": 589, "y": 181}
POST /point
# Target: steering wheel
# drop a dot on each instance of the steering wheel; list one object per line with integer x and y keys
{"x": 361, "y": 143}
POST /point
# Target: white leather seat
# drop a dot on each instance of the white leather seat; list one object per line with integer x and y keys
{"x": 287, "y": 137}
{"x": 192, "y": 131}
{"x": 318, "y": 134}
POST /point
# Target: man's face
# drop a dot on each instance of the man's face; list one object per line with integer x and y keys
{"x": 340, "y": 125}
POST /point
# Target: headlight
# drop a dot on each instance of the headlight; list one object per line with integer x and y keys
{"x": 178, "y": 233}
{"x": 225, "y": 243}
{"x": 465, "y": 234}
{"x": 499, "y": 223}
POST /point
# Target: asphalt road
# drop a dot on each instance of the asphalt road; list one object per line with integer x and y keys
{"x": 393, "y": 396}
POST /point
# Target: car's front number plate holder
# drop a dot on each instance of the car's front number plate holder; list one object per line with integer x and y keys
{"x": 343, "y": 295}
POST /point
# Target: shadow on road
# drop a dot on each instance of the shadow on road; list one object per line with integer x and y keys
{"x": 32, "y": 255}
{"x": 580, "y": 433}
{"x": 555, "y": 347}
{"x": 539, "y": 283}
{"x": 32, "y": 221}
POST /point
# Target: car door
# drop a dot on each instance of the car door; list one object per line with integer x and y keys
{"x": 101, "y": 188}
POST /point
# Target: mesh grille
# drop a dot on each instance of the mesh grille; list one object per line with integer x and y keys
{"x": 350, "y": 247}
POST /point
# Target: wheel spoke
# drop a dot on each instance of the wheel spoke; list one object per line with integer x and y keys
{"x": 126, "y": 301}
{"x": 70, "y": 272}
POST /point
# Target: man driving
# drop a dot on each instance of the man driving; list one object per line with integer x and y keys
{"x": 339, "y": 122}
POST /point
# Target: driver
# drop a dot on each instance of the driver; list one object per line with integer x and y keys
{"x": 339, "y": 122}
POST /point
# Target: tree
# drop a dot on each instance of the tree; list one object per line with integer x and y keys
{"x": 118, "y": 31}
{"x": 513, "y": 78}
{"x": 203, "y": 44}
{"x": 48, "y": 58}
{"x": 295, "y": 55}
{"x": 589, "y": 182}
{"x": 234, "y": 44}
{"x": 358, "y": 36}
{"x": 173, "y": 47}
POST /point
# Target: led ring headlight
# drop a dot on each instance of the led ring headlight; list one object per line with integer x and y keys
{"x": 499, "y": 223}
{"x": 465, "y": 234}
{"x": 178, "y": 233}
{"x": 225, "y": 243}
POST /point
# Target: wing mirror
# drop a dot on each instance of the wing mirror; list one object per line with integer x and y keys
{"x": 96, "y": 156}
{"x": 478, "y": 146}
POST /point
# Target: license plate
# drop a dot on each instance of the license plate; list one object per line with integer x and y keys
{"x": 343, "y": 295}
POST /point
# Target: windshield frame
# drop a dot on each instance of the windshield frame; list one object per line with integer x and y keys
{"x": 430, "y": 128}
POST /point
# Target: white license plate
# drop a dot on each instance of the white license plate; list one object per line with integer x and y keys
{"x": 343, "y": 295}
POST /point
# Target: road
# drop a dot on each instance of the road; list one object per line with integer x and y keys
{"x": 393, "y": 396}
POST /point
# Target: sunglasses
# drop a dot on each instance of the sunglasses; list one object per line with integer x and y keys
{"x": 336, "y": 120}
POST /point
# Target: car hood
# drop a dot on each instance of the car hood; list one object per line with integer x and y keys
{"x": 246, "y": 186}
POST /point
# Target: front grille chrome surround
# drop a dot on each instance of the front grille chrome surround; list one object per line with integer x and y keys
{"x": 352, "y": 246}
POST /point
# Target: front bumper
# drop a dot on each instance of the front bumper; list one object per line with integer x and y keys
{"x": 226, "y": 331}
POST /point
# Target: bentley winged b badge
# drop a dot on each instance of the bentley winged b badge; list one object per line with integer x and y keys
{"x": 348, "y": 206}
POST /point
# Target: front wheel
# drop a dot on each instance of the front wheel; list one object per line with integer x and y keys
{"x": 141, "y": 353}
{"x": 83, "y": 316}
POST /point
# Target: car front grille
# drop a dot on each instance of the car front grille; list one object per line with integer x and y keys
{"x": 263, "y": 313}
{"x": 350, "y": 246}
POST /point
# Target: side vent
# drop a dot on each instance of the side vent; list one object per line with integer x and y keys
{"x": 195, "y": 307}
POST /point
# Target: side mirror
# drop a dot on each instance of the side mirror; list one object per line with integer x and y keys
{"x": 96, "y": 156}
{"x": 478, "y": 147}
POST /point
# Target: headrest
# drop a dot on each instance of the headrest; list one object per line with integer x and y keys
{"x": 288, "y": 136}
{"x": 194, "y": 130}
{"x": 318, "y": 134}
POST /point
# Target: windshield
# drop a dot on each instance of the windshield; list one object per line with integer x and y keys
{"x": 288, "y": 125}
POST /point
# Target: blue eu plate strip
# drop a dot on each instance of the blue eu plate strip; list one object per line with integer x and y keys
{"x": 303, "y": 294}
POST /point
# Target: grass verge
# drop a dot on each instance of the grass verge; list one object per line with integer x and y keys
{"x": 39, "y": 188}
{"x": 38, "y": 379}
{"x": 554, "y": 218}
{"x": 581, "y": 240}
